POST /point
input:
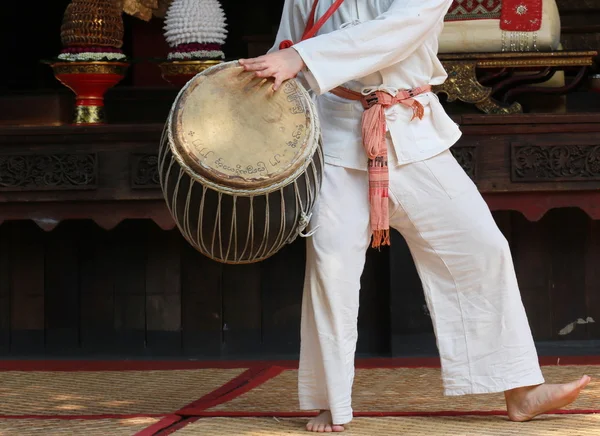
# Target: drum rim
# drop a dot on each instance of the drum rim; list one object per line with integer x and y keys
{"x": 243, "y": 189}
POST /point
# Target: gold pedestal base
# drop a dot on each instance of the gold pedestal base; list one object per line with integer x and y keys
{"x": 89, "y": 115}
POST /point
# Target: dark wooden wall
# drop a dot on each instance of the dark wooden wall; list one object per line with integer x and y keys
{"x": 138, "y": 290}
{"x": 580, "y": 20}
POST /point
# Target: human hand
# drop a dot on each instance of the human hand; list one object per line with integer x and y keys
{"x": 281, "y": 65}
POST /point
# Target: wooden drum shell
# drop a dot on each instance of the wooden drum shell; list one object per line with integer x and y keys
{"x": 231, "y": 224}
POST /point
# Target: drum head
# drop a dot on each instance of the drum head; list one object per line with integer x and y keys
{"x": 231, "y": 128}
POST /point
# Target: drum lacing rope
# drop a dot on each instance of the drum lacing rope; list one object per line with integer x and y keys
{"x": 306, "y": 218}
{"x": 310, "y": 200}
{"x": 233, "y": 231}
{"x": 200, "y": 227}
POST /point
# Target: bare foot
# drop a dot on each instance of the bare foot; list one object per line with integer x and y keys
{"x": 524, "y": 404}
{"x": 323, "y": 424}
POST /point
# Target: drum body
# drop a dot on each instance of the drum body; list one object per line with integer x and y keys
{"x": 240, "y": 165}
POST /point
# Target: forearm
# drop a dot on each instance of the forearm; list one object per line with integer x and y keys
{"x": 348, "y": 54}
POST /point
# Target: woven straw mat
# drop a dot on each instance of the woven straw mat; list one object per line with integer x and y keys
{"x": 106, "y": 392}
{"x": 75, "y": 427}
{"x": 404, "y": 390}
{"x": 567, "y": 425}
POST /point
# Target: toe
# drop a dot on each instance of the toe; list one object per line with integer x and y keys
{"x": 321, "y": 428}
{"x": 338, "y": 428}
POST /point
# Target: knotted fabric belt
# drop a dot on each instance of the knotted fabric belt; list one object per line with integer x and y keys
{"x": 373, "y": 130}
{"x": 375, "y": 144}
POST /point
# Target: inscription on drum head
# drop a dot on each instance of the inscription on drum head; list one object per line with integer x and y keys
{"x": 231, "y": 127}
{"x": 297, "y": 136}
{"x": 294, "y": 97}
{"x": 249, "y": 170}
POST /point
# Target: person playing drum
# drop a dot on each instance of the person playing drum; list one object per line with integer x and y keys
{"x": 386, "y": 138}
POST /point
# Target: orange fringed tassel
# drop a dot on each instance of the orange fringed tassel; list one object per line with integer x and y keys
{"x": 373, "y": 132}
{"x": 381, "y": 238}
{"x": 418, "y": 110}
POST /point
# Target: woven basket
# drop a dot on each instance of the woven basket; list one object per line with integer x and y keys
{"x": 92, "y": 23}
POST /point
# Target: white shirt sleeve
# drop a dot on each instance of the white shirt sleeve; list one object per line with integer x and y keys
{"x": 293, "y": 22}
{"x": 354, "y": 52}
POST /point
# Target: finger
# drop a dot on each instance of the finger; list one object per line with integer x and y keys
{"x": 253, "y": 60}
{"x": 269, "y": 72}
{"x": 278, "y": 81}
{"x": 245, "y": 62}
{"x": 256, "y": 67}
{"x": 262, "y": 69}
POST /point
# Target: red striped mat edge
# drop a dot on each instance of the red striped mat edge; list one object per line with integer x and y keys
{"x": 142, "y": 365}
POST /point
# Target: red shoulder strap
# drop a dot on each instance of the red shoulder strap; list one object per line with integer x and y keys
{"x": 312, "y": 28}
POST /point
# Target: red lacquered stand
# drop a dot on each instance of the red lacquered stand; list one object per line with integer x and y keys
{"x": 89, "y": 81}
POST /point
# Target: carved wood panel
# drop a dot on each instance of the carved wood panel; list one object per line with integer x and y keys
{"x": 555, "y": 163}
{"x": 467, "y": 158}
{"x": 144, "y": 171}
{"x": 41, "y": 172}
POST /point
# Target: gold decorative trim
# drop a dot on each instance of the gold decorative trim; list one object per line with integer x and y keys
{"x": 518, "y": 60}
{"x": 515, "y": 55}
{"x": 175, "y": 68}
{"x": 89, "y": 115}
{"x": 491, "y": 107}
{"x": 462, "y": 84}
{"x": 543, "y": 62}
{"x": 96, "y": 67}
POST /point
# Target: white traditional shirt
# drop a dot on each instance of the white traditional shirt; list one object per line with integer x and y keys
{"x": 390, "y": 44}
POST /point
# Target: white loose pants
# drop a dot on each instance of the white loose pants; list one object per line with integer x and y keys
{"x": 465, "y": 266}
